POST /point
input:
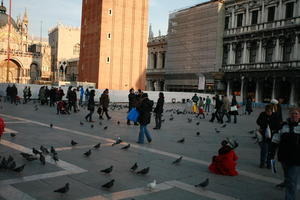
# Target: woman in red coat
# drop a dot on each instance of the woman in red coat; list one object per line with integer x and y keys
{"x": 225, "y": 162}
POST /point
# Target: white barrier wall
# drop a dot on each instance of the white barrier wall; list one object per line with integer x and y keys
{"x": 115, "y": 95}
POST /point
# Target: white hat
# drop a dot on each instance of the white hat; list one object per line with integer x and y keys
{"x": 274, "y": 101}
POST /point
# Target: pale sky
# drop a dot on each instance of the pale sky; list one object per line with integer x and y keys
{"x": 68, "y": 12}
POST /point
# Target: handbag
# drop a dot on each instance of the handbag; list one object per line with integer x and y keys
{"x": 233, "y": 108}
{"x": 268, "y": 132}
{"x": 133, "y": 115}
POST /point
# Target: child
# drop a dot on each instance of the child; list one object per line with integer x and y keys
{"x": 201, "y": 112}
{"x": 2, "y": 126}
{"x": 225, "y": 162}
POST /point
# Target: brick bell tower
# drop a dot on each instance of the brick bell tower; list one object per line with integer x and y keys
{"x": 113, "y": 51}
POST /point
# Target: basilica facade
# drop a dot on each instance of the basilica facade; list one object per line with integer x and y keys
{"x": 29, "y": 58}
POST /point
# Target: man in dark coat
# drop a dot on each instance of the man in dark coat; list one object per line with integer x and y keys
{"x": 132, "y": 98}
{"x": 104, "y": 103}
{"x": 158, "y": 110}
{"x": 52, "y": 96}
{"x": 217, "y": 112}
{"x": 145, "y": 109}
{"x": 73, "y": 100}
{"x": 91, "y": 106}
{"x": 14, "y": 93}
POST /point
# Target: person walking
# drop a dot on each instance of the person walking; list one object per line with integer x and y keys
{"x": 287, "y": 141}
{"x": 225, "y": 108}
{"x": 104, "y": 103}
{"x": 267, "y": 122}
{"x": 233, "y": 109}
{"x": 14, "y": 94}
{"x": 91, "y": 106}
{"x": 86, "y": 95}
{"x": 217, "y": 112}
{"x": 132, "y": 98}
{"x": 73, "y": 100}
{"x": 158, "y": 110}
{"x": 201, "y": 107}
{"x": 25, "y": 94}
{"x": 52, "y": 96}
{"x": 81, "y": 92}
{"x": 60, "y": 94}
{"x": 8, "y": 93}
{"x": 207, "y": 104}
{"x": 195, "y": 100}
{"x": 249, "y": 109}
{"x": 29, "y": 94}
{"x": 145, "y": 109}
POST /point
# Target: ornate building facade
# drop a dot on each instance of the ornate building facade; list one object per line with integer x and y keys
{"x": 261, "y": 52}
{"x": 157, "y": 49}
{"x": 29, "y": 59}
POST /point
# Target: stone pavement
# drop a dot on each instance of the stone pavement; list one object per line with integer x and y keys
{"x": 174, "y": 182}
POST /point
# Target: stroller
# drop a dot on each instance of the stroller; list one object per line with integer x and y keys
{"x": 62, "y": 108}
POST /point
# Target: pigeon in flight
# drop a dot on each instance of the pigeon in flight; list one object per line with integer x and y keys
{"x": 177, "y": 161}
{"x": 134, "y": 167}
{"x": 107, "y": 170}
{"x": 88, "y": 153}
{"x": 64, "y": 189}
{"x": 73, "y": 143}
{"x": 108, "y": 184}
{"x": 144, "y": 171}
{"x": 181, "y": 140}
{"x": 204, "y": 184}
{"x": 126, "y": 147}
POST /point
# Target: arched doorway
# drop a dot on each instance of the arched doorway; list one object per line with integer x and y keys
{"x": 14, "y": 71}
{"x": 34, "y": 72}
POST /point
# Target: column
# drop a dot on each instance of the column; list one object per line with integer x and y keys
{"x": 273, "y": 88}
{"x": 259, "y": 58}
{"x": 277, "y": 50}
{"x": 245, "y": 52}
{"x": 228, "y": 88}
{"x": 242, "y": 89}
{"x": 230, "y": 56}
{"x": 159, "y": 60}
{"x": 257, "y": 92}
{"x": 151, "y": 61}
{"x": 280, "y": 11}
{"x": 233, "y": 19}
{"x": 247, "y": 16}
{"x": 292, "y": 95}
{"x": 296, "y": 48}
{"x": 156, "y": 86}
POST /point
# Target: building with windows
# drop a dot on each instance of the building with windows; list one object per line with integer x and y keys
{"x": 113, "y": 51}
{"x": 261, "y": 51}
{"x": 194, "y": 52}
{"x": 157, "y": 49}
{"x": 65, "y": 48}
{"x": 29, "y": 58}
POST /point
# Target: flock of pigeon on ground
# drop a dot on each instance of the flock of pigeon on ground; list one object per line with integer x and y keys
{"x": 10, "y": 164}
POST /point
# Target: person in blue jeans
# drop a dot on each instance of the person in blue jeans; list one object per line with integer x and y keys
{"x": 145, "y": 108}
{"x": 287, "y": 141}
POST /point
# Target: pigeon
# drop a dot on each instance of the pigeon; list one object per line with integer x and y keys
{"x": 198, "y": 133}
{"x": 251, "y": 132}
{"x": 198, "y": 123}
{"x": 171, "y": 118}
{"x": 4, "y": 163}
{"x": 10, "y": 159}
{"x": 92, "y": 125}
{"x": 217, "y": 131}
{"x": 224, "y": 126}
{"x": 189, "y": 120}
{"x": 88, "y": 153}
{"x": 204, "y": 184}
{"x": 55, "y": 157}
{"x": 97, "y": 146}
{"x": 81, "y": 123}
{"x": 12, "y": 135}
{"x": 31, "y": 158}
{"x": 64, "y": 189}
{"x": 12, "y": 165}
{"x": 152, "y": 185}
{"x": 126, "y": 147}
{"x": 51, "y": 125}
{"x": 144, "y": 171}
{"x": 118, "y": 122}
{"x": 108, "y": 184}
{"x": 134, "y": 167}
{"x": 107, "y": 170}
{"x": 177, "y": 161}
{"x": 181, "y": 141}
{"x": 44, "y": 150}
{"x": 26, "y": 155}
{"x": 42, "y": 159}
{"x": 19, "y": 169}
{"x": 35, "y": 152}
{"x": 73, "y": 143}
{"x": 53, "y": 150}
{"x": 105, "y": 128}
{"x": 118, "y": 141}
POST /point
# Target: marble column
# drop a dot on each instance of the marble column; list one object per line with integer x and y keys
{"x": 274, "y": 88}
{"x": 230, "y": 56}
{"x": 228, "y": 88}
{"x": 296, "y": 49}
{"x": 247, "y": 21}
{"x": 262, "y": 19}
{"x": 277, "y": 50}
{"x": 257, "y": 92}
{"x": 259, "y": 58}
{"x": 151, "y": 63}
{"x": 232, "y": 19}
{"x": 292, "y": 95}
{"x": 156, "y": 86}
{"x": 242, "y": 89}
{"x": 245, "y": 53}
{"x": 279, "y": 11}
{"x": 159, "y": 60}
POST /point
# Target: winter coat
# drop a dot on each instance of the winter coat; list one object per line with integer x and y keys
{"x": 249, "y": 105}
{"x": 264, "y": 120}
{"x": 72, "y": 96}
{"x": 195, "y": 99}
{"x": 225, "y": 162}
{"x": 159, "y": 109}
{"x": 91, "y": 103}
{"x": 226, "y": 104}
{"x": 145, "y": 109}
{"x": 104, "y": 100}
{"x": 132, "y": 98}
{"x": 218, "y": 104}
{"x": 234, "y": 103}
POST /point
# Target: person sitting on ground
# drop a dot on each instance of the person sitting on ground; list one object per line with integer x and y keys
{"x": 225, "y": 162}
{"x": 62, "y": 108}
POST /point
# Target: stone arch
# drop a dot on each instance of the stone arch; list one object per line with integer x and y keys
{"x": 14, "y": 72}
{"x": 35, "y": 72}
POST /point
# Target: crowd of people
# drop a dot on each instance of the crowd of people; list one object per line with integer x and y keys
{"x": 274, "y": 134}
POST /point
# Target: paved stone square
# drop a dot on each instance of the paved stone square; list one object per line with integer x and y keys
{"x": 37, "y": 181}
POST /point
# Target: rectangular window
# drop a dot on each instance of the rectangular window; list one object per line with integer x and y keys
{"x": 271, "y": 14}
{"x": 254, "y": 17}
{"x": 238, "y": 54}
{"x": 289, "y": 11}
{"x": 239, "y": 20}
{"x": 226, "y": 23}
